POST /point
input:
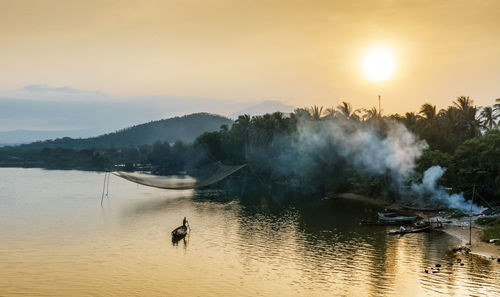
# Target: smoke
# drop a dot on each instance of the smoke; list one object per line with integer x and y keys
{"x": 429, "y": 189}
{"x": 390, "y": 152}
{"x": 325, "y": 148}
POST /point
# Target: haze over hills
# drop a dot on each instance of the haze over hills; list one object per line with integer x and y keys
{"x": 38, "y": 112}
{"x": 27, "y": 136}
{"x": 185, "y": 129}
{"x": 264, "y": 107}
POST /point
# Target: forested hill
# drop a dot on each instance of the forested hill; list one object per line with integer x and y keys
{"x": 185, "y": 129}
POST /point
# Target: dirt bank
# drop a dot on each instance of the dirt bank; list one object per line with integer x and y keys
{"x": 478, "y": 247}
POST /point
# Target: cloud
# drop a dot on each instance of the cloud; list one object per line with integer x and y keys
{"x": 43, "y": 92}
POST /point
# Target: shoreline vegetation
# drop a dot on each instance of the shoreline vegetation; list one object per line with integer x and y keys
{"x": 315, "y": 151}
{"x": 327, "y": 152}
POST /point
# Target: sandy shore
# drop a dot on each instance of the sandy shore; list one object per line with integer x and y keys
{"x": 478, "y": 247}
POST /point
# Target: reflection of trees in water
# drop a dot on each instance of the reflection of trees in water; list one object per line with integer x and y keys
{"x": 320, "y": 239}
{"x": 323, "y": 242}
{"x": 340, "y": 247}
{"x": 318, "y": 243}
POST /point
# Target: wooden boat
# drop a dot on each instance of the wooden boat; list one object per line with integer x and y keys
{"x": 415, "y": 208}
{"x": 413, "y": 230}
{"x": 383, "y": 223}
{"x": 395, "y": 218}
{"x": 179, "y": 232}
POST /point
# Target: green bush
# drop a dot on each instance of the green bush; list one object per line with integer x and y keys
{"x": 491, "y": 233}
{"x": 492, "y": 229}
{"x": 488, "y": 221}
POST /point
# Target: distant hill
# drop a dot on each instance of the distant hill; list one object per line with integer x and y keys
{"x": 28, "y": 136}
{"x": 269, "y": 106}
{"x": 185, "y": 128}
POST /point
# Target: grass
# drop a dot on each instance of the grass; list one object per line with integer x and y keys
{"x": 488, "y": 221}
{"x": 453, "y": 213}
{"x": 491, "y": 228}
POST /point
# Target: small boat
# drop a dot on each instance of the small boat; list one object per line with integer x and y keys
{"x": 431, "y": 208}
{"x": 392, "y": 217}
{"x": 179, "y": 232}
{"x": 420, "y": 227}
{"x": 383, "y": 223}
{"x": 414, "y": 230}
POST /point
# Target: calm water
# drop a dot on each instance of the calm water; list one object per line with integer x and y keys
{"x": 56, "y": 240}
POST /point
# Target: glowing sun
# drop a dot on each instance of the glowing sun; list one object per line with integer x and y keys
{"x": 378, "y": 64}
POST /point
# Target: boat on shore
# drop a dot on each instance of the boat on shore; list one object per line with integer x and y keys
{"x": 420, "y": 227}
{"x": 383, "y": 223}
{"x": 393, "y": 217}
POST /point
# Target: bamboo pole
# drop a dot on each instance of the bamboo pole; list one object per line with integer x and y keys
{"x": 107, "y": 185}
{"x": 470, "y": 215}
{"x": 103, "y": 187}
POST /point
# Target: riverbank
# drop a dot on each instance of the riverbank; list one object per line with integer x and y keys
{"x": 458, "y": 228}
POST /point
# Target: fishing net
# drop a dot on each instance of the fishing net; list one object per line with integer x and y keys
{"x": 205, "y": 176}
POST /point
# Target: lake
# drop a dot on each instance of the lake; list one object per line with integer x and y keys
{"x": 57, "y": 240}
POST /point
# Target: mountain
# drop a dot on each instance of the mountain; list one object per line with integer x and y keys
{"x": 27, "y": 136}
{"x": 269, "y": 106}
{"x": 185, "y": 128}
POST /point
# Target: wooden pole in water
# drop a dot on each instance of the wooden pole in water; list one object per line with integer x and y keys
{"x": 103, "y": 187}
{"x": 470, "y": 215}
{"x": 107, "y": 185}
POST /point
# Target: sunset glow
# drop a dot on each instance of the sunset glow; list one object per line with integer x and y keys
{"x": 378, "y": 64}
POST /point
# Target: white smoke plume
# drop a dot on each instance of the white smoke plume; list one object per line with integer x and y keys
{"x": 392, "y": 153}
{"x": 429, "y": 189}
{"x": 364, "y": 147}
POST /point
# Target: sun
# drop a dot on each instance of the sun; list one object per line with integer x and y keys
{"x": 378, "y": 64}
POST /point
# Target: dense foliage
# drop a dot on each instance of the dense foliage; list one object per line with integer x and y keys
{"x": 463, "y": 138}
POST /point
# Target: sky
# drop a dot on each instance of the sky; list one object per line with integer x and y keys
{"x": 231, "y": 52}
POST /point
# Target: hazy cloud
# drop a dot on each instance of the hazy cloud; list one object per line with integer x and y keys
{"x": 43, "y": 92}
{"x": 85, "y": 113}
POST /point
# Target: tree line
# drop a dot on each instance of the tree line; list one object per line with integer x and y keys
{"x": 463, "y": 138}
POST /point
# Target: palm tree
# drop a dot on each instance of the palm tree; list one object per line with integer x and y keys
{"x": 497, "y": 106}
{"x": 449, "y": 118}
{"x": 346, "y": 110}
{"x": 316, "y": 112}
{"x": 410, "y": 121}
{"x": 243, "y": 120}
{"x": 370, "y": 114}
{"x": 467, "y": 120}
{"x": 241, "y": 128}
{"x": 463, "y": 103}
{"x": 488, "y": 118}
{"x": 301, "y": 113}
{"x": 427, "y": 124}
{"x": 330, "y": 112}
{"x": 428, "y": 111}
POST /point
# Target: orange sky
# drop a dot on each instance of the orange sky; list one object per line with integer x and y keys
{"x": 299, "y": 52}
